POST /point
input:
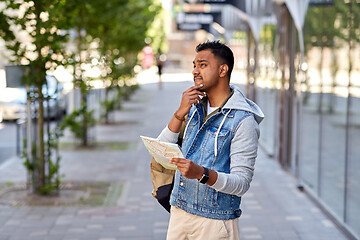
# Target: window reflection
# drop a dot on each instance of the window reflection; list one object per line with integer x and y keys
{"x": 266, "y": 98}
{"x": 309, "y": 148}
{"x": 353, "y": 194}
{"x": 333, "y": 151}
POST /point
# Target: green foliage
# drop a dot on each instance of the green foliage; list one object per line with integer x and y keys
{"x": 127, "y": 90}
{"x": 118, "y": 27}
{"x": 324, "y": 24}
{"x": 267, "y": 35}
{"x": 157, "y": 32}
{"x": 108, "y": 106}
{"x": 41, "y": 47}
{"x": 27, "y": 163}
{"x": 119, "y": 38}
{"x": 122, "y": 93}
{"x": 52, "y": 180}
{"x": 319, "y": 27}
{"x": 74, "y": 121}
{"x": 348, "y": 19}
{"x": 120, "y": 43}
{"x": 5, "y": 32}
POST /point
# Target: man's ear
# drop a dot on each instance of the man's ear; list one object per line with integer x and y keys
{"x": 223, "y": 70}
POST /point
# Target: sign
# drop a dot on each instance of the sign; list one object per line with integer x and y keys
{"x": 200, "y": 18}
{"x": 320, "y": 2}
{"x": 193, "y": 27}
{"x": 14, "y": 75}
{"x": 195, "y": 21}
{"x": 236, "y": 3}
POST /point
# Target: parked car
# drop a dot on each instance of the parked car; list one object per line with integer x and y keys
{"x": 13, "y": 101}
{"x": 56, "y": 103}
{"x": 1, "y": 118}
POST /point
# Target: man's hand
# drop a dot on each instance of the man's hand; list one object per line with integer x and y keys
{"x": 191, "y": 170}
{"x": 189, "y": 97}
{"x": 188, "y": 168}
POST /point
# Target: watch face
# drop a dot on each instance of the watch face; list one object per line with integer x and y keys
{"x": 205, "y": 176}
{"x": 204, "y": 179}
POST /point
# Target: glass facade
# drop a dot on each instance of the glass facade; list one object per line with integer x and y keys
{"x": 312, "y": 122}
{"x": 267, "y": 99}
{"x": 325, "y": 151}
{"x": 352, "y": 206}
{"x": 333, "y": 152}
{"x": 309, "y": 147}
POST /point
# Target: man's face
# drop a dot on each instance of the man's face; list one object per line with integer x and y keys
{"x": 206, "y": 70}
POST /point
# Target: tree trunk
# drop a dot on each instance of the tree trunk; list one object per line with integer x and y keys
{"x": 321, "y": 77}
{"x": 282, "y": 109}
{"x": 84, "y": 140}
{"x": 106, "y": 115}
{"x": 41, "y": 155}
{"x": 333, "y": 82}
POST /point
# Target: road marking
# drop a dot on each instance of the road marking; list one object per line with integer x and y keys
{"x": 127, "y": 228}
{"x": 293, "y": 218}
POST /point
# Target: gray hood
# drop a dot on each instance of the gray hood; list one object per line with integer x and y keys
{"x": 240, "y": 102}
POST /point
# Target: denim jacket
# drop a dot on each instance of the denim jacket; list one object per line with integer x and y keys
{"x": 208, "y": 143}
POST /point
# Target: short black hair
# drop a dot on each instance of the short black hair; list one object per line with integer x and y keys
{"x": 219, "y": 50}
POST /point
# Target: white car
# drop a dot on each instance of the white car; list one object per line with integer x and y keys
{"x": 56, "y": 103}
{"x": 1, "y": 117}
{"x": 13, "y": 101}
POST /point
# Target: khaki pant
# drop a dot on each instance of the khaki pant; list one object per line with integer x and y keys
{"x": 185, "y": 226}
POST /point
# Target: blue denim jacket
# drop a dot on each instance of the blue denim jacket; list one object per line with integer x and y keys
{"x": 208, "y": 144}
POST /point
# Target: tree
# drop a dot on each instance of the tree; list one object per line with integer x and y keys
{"x": 117, "y": 26}
{"x": 119, "y": 37}
{"x": 320, "y": 31}
{"x": 36, "y": 43}
{"x": 79, "y": 17}
{"x": 324, "y": 26}
{"x": 267, "y": 39}
{"x": 348, "y": 19}
{"x": 119, "y": 44}
{"x": 157, "y": 32}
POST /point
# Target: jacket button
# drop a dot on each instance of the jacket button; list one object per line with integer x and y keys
{"x": 182, "y": 184}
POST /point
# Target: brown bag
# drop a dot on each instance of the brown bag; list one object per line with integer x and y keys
{"x": 162, "y": 180}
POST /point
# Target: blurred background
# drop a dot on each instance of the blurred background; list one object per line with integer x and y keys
{"x": 70, "y": 64}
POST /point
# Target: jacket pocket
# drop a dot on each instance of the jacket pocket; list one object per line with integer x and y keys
{"x": 210, "y": 196}
{"x": 211, "y": 138}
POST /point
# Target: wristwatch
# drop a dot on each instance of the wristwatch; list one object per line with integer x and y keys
{"x": 205, "y": 176}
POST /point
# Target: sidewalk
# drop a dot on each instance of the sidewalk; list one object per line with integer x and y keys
{"x": 273, "y": 209}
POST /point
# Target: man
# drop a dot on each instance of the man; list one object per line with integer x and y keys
{"x": 159, "y": 64}
{"x": 219, "y": 143}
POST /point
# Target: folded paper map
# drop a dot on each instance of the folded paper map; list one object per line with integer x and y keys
{"x": 162, "y": 152}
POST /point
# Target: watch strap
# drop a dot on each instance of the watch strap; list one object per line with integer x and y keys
{"x": 205, "y": 176}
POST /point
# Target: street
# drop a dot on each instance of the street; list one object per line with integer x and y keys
{"x": 7, "y": 140}
{"x": 273, "y": 209}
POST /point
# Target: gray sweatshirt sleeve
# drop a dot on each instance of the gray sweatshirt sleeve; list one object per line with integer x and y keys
{"x": 167, "y": 135}
{"x": 243, "y": 152}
